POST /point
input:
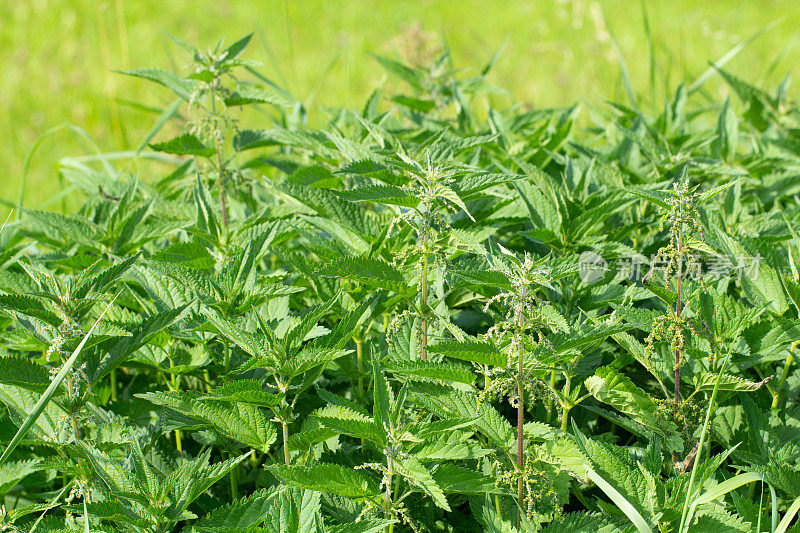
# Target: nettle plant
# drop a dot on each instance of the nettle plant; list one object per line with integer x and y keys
{"x": 384, "y": 324}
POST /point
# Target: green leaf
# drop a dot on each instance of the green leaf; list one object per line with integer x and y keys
{"x": 255, "y": 95}
{"x": 234, "y": 50}
{"x": 383, "y": 398}
{"x": 238, "y": 421}
{"x": 22, "y": 372}
{"x": 706, "y": 381}
{"x": 124, "y": 347}
{"x": 186, "y": 144}
{"x": 451, "y": 446}
{"x": 432, "y": 370}
{"x": 656, "y": 197}
{"x": 613, "y": 388}
{"x": 416, "y": 474}
{"x": 346, "y": 421}
{"x": 328, "y": 477}
{"x": 181, "y": 87}
{"x": 382, "y": 194}
{"x": 417, "y": 104}
{"x": 29, "y": 306}
{"x": 373, "y": 273}
{"x": 453, "y": 479}
{"x": 707, "y": 195}
{"x": 480, "y": 352}
{"x": 13, "y": 472}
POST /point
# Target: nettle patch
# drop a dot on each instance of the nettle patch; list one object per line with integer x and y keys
{"x": 416, "y": 318}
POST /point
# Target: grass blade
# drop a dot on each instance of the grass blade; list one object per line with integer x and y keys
{"x": 718, "y": 491}
{"x": 86, "y": 528}
{"x": 51, "y": 390}
{"x": 165, "y": 116}
{"x": 719, "y": 63}
{"x": 787, "y": 518}
{"x": 620, "y": 501}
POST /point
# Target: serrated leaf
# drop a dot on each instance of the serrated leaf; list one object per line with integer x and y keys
{"x": 255, "y": 95}
{"x": 186, "y": 144}
{"x": 374, "y": 273}
{"x": 416, "y": 474}
{"x": 328, "y": 477}
{"x": 175, "y": 83}
{"x": 432, "y": 370}
{"x": 382, "y": 194}
{"x": 480, "y": 352}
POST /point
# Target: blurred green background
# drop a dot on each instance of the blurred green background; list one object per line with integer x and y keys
{"x": 58, "y": 56}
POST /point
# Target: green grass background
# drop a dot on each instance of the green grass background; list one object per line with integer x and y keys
{"x": 58, "y": 56}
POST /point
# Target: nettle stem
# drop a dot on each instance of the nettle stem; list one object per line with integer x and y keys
{"x": 390, "y": 475}
{"x": 234, "y": 480}
{"x": 678, "y": 308}
{"x": 551, "y": 415}
{"x": 565, "y": 408}
{"x": 113, "y": 377}
{"x": 218, "y": 146}
{"x": 285, "y": 428}
{"x": 424, "y": 351}
{"x": 360, "y": 363}
{"x": 520, "y": 412}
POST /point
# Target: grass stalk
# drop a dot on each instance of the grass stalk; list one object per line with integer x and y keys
{"x": 48, "y": 394}
{"x": 776, "y": 398}
{"x": 700, "y": 446}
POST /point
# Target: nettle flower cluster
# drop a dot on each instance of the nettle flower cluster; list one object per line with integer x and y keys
{"x": 525, "y": 277}
{"x": 432, "y": 185}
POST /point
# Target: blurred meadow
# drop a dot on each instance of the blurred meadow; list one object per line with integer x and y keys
{"x": 60, "y": 58}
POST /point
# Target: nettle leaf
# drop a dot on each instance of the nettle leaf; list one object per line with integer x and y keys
{"x": 382, "y": 194}
{"x": 451, "y": 446}
{"x": 192, "y": 478}
{"x": 419, "y": 476}
{"x": 657, "y": 197}
{"x": 583, "y": 522}
{"x": 29, "y": 306}
{"x": 295, "y": 510}
{"x": 480, "y": 352}
{"x": 588, "y": 333}
{"x": 245, "y": 390}
{"x": 431, "y": 370}
{"x": 122, "y": 348}
{"x": 327, "y": 477}
{"x": 489, "y": 278}
{"x": 383, "y": 397}
{"x": 416, "y": 104}
{"x": 238, "y": 421}
{"x": 311, "y": 358}
{"x": 238, "y": 515}
{"x": 611, "y": 387}
{"x": 373, "y": 273}
{"x": 186, "y": 144}
{"x": 181, "y": 87}
{"x": 706, "y": 381}
{"x": 346, "y": 421}
{"x": 453, "y": 479}
{"x": 22, "y": 372}
{"x": 446, "y": 402}
{"x": 760, "y": 282}
{"x": 12, "y": 473}
{"x": 255, "y": 95}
